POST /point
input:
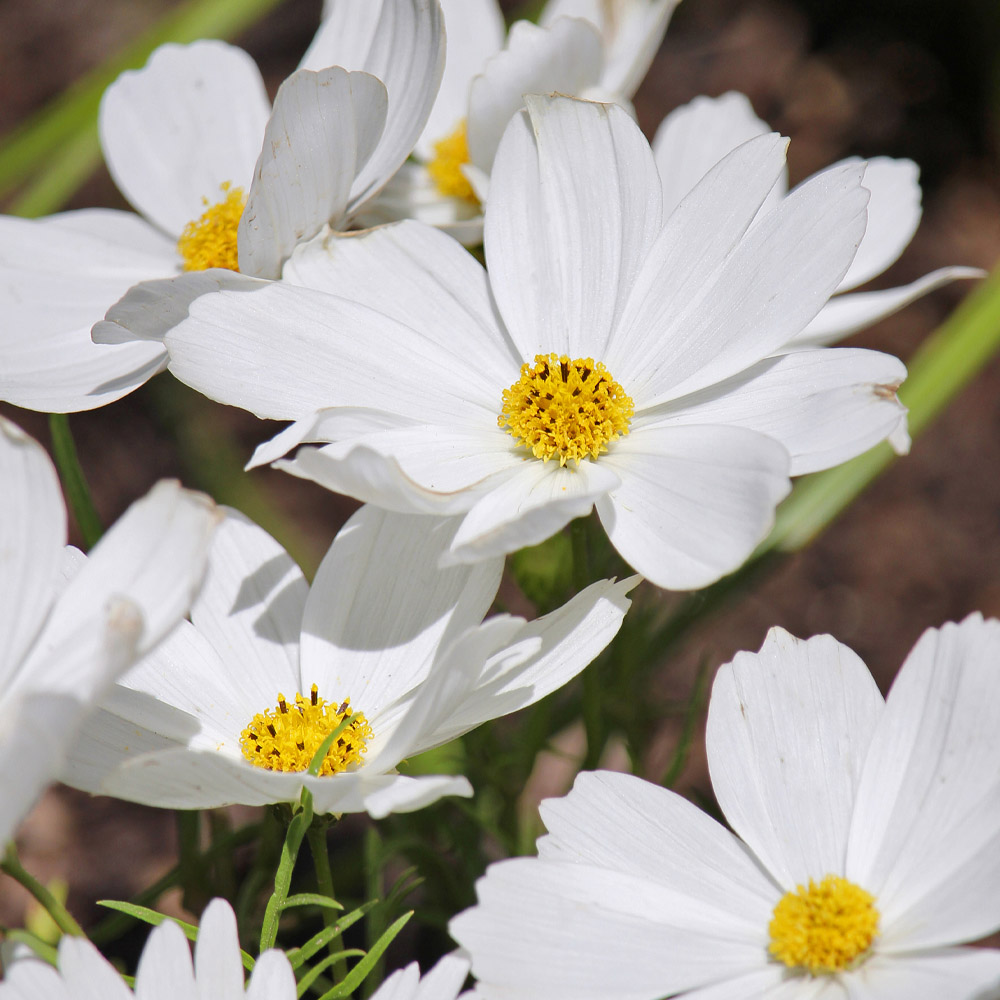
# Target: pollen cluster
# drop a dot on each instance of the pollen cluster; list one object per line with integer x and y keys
{"x": 450, "y": 155}
{"x": 210, "y": 240}
{"x": 286, "y": 738}
{"x": 565, "y": 409}
{"x": 824, "y": 928}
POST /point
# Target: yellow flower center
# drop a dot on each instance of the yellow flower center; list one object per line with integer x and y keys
{"x": 287, "y": 738}
{"x": 210, "y": 240}
{"x": 824, "y": 928}
{"x": 569, "y": 409}
{"x": 450, "y": 155}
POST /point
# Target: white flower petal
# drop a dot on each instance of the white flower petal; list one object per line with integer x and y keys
{"x": 174, "y": 131}
{"x": 272, "y": 978}
{"x": 564, "y": 58}
{"x": 380, "y": 607}
{"x": 926, "y": 830}
{"x": 323, "y": 130}
{"x": 846, "y": 314}
{"x": 87, "y": 973}
{"x": 767, "y": 983}
{"x": 217, "y": 963}
{"x": 528, "y": 506}
{"x": 446, "y": 979}
{"x": 824, "y": 406}
{"x": 165, "y": 971}
{"x": 32, "y": 537}
{"x": 475, "y": 31}
{"x": 574, "y": 208}
{"x": 893, "y": 216}
{"x": 694, "y": 137}
{"x": 698, "y": 316}
{"x": 693, "y": 501}
{"x": 400, "y": 794}
{"x": 32, "y": 979}
{"x": 787, "y": 734}
{"x": 402, "y": 43}
{"x": 959, "y": 973}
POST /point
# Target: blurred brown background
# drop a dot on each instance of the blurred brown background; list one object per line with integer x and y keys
{"x": 914, "y": 78}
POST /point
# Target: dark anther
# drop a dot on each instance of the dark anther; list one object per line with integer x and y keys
{"x": 301, "y": 746}
{"x": 313, "y": 695}
{"x": 270, "y": 729}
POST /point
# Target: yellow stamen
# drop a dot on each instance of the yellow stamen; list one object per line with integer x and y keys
{"x": 450, "y": 155}
{"x": 569, "y": 409}
{"x": 287, "y": 738}
{"x": 827, "y": 927}
{"x": 210, "y": 240}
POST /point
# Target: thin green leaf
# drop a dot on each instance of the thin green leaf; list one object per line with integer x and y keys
{"x": 298, "y": 956}
{"x": 45, "y": 951}
{"x": 357, "y": 975}
{"x": 320, "y": 967}
{"x": 311, "y": 899}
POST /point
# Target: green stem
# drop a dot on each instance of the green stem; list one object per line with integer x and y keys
{"x": 316, "y": 835}
{"x": 190, "y": 862}
{"x": 73, "y": 480}
{"x": 283, "y": 876}
{"x": 374, "y": 889}
{"x": 57, "y": 911}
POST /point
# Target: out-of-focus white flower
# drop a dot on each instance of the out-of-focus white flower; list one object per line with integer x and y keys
{"x": 597, "y": 49}
{"x": 70, "y": 625}
{"x": 221, "y": 179}
{"x": 610, "y": 356}
{"x": 165, "y": 968}
{"x": 233, "y": 707}
{"x": 869, "y": 845}
{"x": 443, "y": 982}
{"x": 692, "y": 139}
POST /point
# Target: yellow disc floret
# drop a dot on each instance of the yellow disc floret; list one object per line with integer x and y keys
{"x": 450, "y": 155}
{"x": 827, "y": 927}
{"x": 286, "y": 738}
{"x": 210, "y": 240}
{"x": 565, "y": 409}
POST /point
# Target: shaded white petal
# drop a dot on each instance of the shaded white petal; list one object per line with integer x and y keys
{"x": 766, "y": 983}
{"x": 323, "y": 130}
{"x": 529, "y": 505}
{"x": 824, "y": 406}
{"x": 32, "y": 538}
{"x": 475, "y": 31}
{"x": 165, "y": 971}
{"x": 695, "y": 136}
{"x": 437, "y": 288}
{"x": 787, "y": 734}
{"x": 32, "y": 979}
{"x": 272, "y": 978}
{"x": 574, "y": 208}
{"x": 959, "y": 973}
{"x": 174, "y": 131}
{"x": 401, "y": 985}
{"x": 379, "y": 607}
{"x": 697, "y": 316}
{"x": 846, "y": 314}
{"x": 622, "y": 823}
{"x": 926, "y": 829}
{"x": 88, "y": 974}
{"x": 445, "y": 980}
{"x": 218, "y": 967}
{"x": 563, "y": 931}
{"x": 401, "y": 794}
{"x": 693, "y": 501}
{"x": 564, "y": 58}
{"x": 893, "y": 216}
{"x": 402, "y": 43}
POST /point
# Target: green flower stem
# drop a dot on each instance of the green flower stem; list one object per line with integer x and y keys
{"x": 283, "y": 876}
{"x": 316, "y": 835}
{"x": 63, "y": 135}
{"x": 73, "y": 480}
{"x": 375, "y": 921}
{"x": 193, "y": 873}
{"x": 57, "y": 911}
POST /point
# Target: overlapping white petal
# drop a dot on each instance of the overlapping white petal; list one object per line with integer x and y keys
{"x": 819, "y": 777}
{"x": 382, "y": 626}
{"x": 443, "y": 982}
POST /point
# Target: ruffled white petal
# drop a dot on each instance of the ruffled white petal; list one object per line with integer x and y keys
{"x": 564, "y": 58}
{"x": 787, "y": 734}
{"x": 694, "y": 137}
{"x": 380, "y": 607}
{"x": 400, "y": 794}
{"x": 926, "y": 833}
{"x": 32, "y": 537}
{"x": 693, "y": 501}
{"x": 323, "y": 130}
{"x": 189, "y": 121}
{"x": 574, "y": 208}
{"x": 703, "y": 311}
{"x": 846, "y": 314}
{"x": 529, "y": 505}
{"x": 824, "y": 406}
{"x": 402, "y": 43}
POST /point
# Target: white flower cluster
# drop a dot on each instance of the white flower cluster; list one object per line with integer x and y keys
{"x": 649, "y": 337}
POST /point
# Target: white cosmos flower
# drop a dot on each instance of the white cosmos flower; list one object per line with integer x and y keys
{"x": 165, "y": 968}
{"x": 187, "y": 139}
{"x": 70, "y": 625}
{"x": 401, "y": 351}
{"x": 443, "y": 982}
{"x": 692, "y": 139}
{"x": 582, "y": 48}
{"x": 867, "y": 847}
{"x": 381, "y": 628}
